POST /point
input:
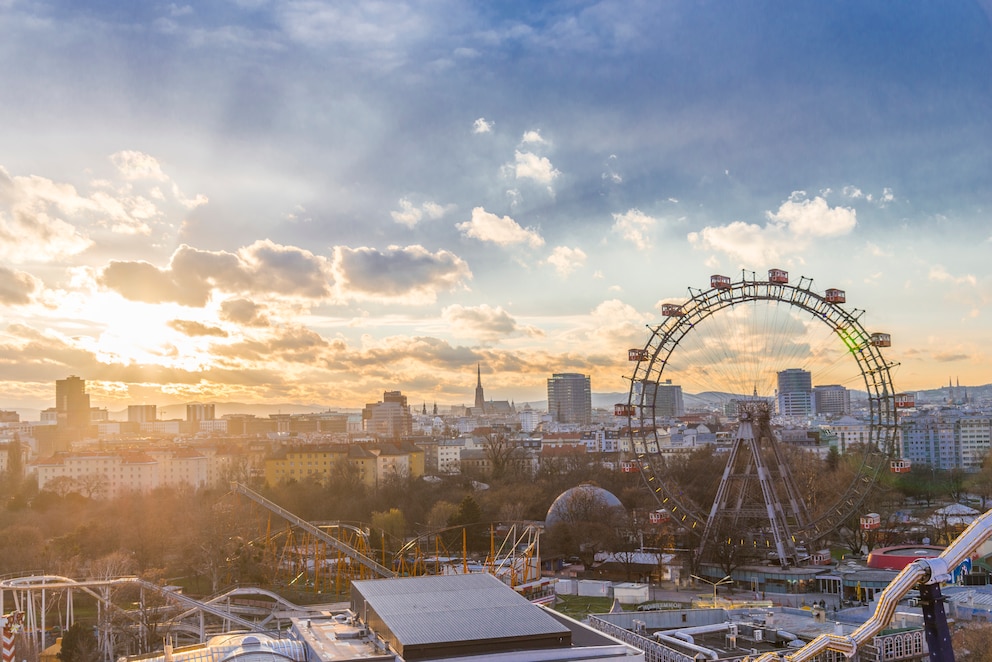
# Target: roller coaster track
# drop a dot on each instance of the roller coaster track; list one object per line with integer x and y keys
{"x": 926, "y": 574}
{"x": 377, "y": 568}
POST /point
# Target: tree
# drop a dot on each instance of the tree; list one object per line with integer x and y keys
{"x": 501, "y": 451}
{"x": 584, "y": 523}
{"x": 468, "y": 515}
{"x": 980, "y": 483}
{"x": 392, "y": 523}
{"x": 79, "y": 644}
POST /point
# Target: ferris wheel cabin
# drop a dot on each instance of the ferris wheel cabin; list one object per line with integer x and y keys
{"x": 778, "y": 276}
{"x": 900, "y": 466}
{"x": 623, "y": 409}
{"x": 834, "y": 295}
{"x": 720, "y": 282}
{"x": 870, "y": 522}
{"x": 672, "y": 310}
{"x": 881, "y": 340}
{"x": 637, "y": 354}
{"x": 905, "y": 400}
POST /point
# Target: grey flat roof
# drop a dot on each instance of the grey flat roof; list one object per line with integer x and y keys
{"x": 448, "y": 609}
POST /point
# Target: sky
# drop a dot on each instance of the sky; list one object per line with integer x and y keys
{"x": 315, "y": 202}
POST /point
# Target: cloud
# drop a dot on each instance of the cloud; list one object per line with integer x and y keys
{"x": 635, "y": 226}
{"x": 191, "y": 328}
{"x": 814, "y": 218}
{"x": 17, "y": 287}
{"x": 410, "y": 274}
{"x": 192, "y": 275}
{"x": 565, "y": 260}
{"x": 531, "y": 166}
{"x": 940, "y": 275}
{"x": 30, "y": 227}
{"x": 482, "y": 126}
{"x": 137, "y": 165}
{"x": 793, "y": 228}
{"x": 243, "y": 312}
{"x": 504, "y": 231}
{"x": 409, "y": 214}
{"x": 532, "y": 137}
{"x": 483, "y": 322}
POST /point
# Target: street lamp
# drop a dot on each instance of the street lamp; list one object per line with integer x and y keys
{"x": 725, "y": 580}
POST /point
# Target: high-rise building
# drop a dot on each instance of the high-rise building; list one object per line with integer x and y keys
{"x": 72, "y": 404}
{"x": 142, "y": 413}
{"x": 795, "y": 388}
{"x": 570, "y": 398}
{"x": 197, "y": 412}
{"x": 666, "y": 398}
{"x": 832, "y": 399}
{"x": 390, "y": 418}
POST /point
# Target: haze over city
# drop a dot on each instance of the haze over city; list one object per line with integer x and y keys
{"x": 313, "y": 203}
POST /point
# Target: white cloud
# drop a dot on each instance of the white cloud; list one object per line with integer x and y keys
{"x": 504, "y": 231}
{"x": 789, "y": 230}
{"x": 409, "y": 214}
{"x": 531, "y": 166}
{"x": 138, "y": 165}
{"x": 940, "y": 275}
{"x": 482, "y": 125}
{"x": 565, "y": 260}
{"x": 634, "y": 226}
{"x": 813, "y": 218}
{"x": 30, "y": 227}
{"x": 532, "y": 138}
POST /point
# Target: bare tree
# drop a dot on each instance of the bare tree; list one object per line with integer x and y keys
{"x": 500, "y": 448}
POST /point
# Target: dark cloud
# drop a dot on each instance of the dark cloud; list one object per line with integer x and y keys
{"x": 191, "y": 328}
{"x": 942, "y": 357}
{"x": 141, "y": 281}
{"x": 192, "y": 275}
{"x": 17, "y": 287}
{"x": 412, "y": 273}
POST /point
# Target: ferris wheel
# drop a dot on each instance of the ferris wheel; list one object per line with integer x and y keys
{"x": 732, "y": 343}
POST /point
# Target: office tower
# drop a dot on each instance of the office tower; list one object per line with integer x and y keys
{"x": 570, "y": 398}
{"x": 72, "y": 404}
{"x": 390, "y": 418}
{"x": 199, "y": 412}
{"x": 832, "y": 399}
{"x": 142, "y": 413}
{"x": 795, "y": 387}
{"x": 666, "y": 398}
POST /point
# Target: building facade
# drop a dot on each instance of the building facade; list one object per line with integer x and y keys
{"x": 390, "y": 418}
{"x": 832, "y": 400}
{"x": 570, "y": 398}
{"x": 795, "y": 388}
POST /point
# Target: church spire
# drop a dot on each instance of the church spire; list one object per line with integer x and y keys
{"x": 480, "y": 400}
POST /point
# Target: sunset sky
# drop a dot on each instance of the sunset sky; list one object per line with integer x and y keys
{"x": 314, "y": 202}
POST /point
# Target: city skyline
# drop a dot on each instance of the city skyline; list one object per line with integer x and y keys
{"x": 272, "y": 203}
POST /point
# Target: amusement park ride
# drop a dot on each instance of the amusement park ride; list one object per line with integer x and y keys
{"x": 757, "y": 489}
{"x": 756, "y": 494}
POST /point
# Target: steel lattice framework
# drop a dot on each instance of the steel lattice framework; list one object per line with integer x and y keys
{"x": 863, "y": 347}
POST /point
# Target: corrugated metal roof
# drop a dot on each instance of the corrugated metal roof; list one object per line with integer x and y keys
{"x": 454, "y": 608}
